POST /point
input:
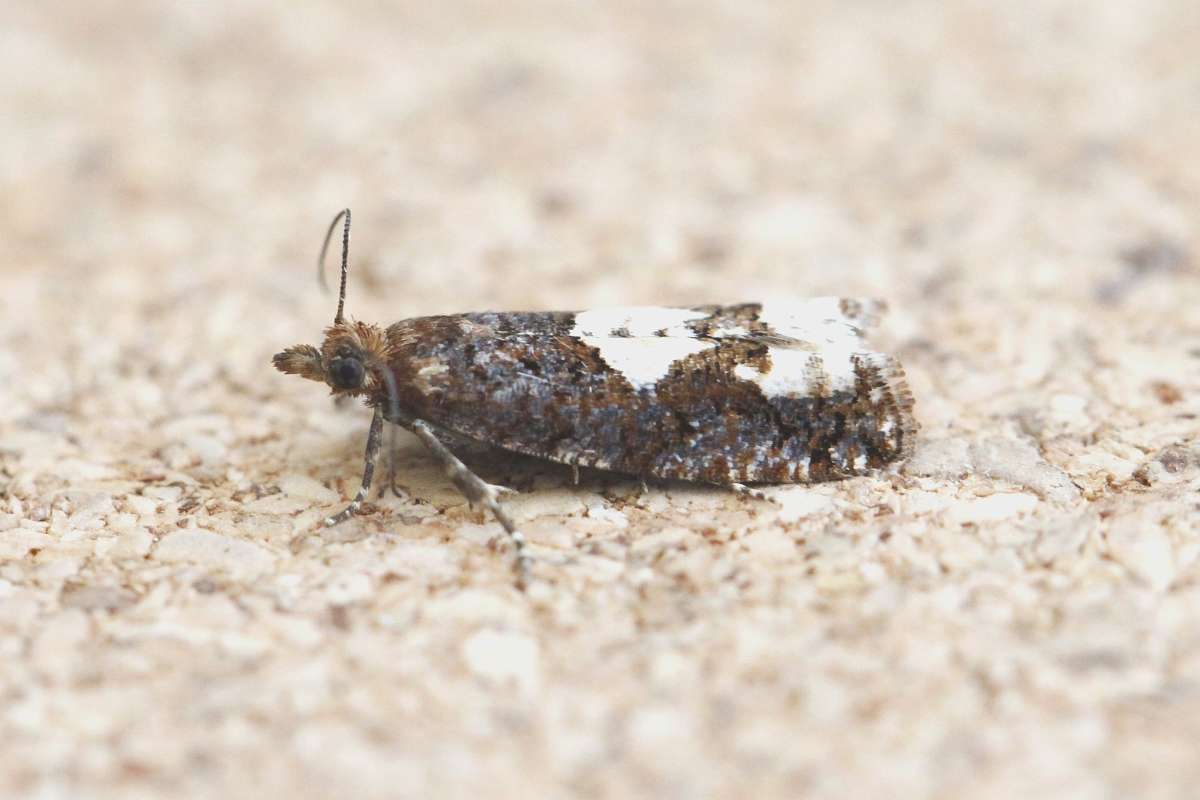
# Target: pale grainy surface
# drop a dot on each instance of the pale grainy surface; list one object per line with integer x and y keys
{"x": 1016, "y": 614}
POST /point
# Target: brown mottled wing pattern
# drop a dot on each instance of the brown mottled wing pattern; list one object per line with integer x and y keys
{"x": 770, "y": 393}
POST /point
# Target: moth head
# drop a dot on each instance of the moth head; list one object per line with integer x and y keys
{"x": 345, "y": 370}
{"x": 350, "y": 350}
{"x": 351, "y": 359}
{"x": 354, "y": 358}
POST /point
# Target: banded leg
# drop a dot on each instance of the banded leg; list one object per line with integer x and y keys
{"x": 374, "y": 440}
{"x": 477, "y": 491}
{"x": 392, "y": 466}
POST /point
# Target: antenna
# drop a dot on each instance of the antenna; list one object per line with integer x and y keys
{"x": 345, "y": 212}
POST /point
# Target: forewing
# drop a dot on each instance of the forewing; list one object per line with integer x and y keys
{"x": 772, "y": 392}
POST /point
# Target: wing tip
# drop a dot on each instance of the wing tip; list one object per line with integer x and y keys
{"x": 897, "y": 401}
{"x": 864, "y": 312}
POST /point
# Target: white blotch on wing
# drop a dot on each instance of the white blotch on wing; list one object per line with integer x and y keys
{"x": 729, "y": 330}
{"x": 635, "y": 321}
{"x": 431, "y": 370}
{"x": 834, "y": 337}
{"x": 646, "y": 360}
{"x": 793, "y": 373}
{"x": 651, "y": 339}
{"x": 748, "y": 373}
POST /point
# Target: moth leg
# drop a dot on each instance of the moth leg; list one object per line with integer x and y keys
{"x": 374, "y": 440}
{"x": 392, "y": 468}
{"x": 477, "y": 491}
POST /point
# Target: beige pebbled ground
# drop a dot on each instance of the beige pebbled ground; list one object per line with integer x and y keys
{"x": 1016, "y": 614}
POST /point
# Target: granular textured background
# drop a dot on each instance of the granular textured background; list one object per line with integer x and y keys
{"x": 1016, "y": 613}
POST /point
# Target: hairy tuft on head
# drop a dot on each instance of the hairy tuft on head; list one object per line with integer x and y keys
{"x": 303, "y": 360}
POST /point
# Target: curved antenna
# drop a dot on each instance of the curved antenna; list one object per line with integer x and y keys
{"x": 345, "y": 212}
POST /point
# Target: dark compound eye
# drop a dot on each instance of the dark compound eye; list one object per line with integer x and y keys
{"x": 346, "y": 373}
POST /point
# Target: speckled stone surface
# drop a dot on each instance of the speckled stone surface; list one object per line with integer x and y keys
{"x": 1015, "y": 613}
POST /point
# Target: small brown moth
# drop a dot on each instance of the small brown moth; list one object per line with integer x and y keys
{"x": 775, "y": 392}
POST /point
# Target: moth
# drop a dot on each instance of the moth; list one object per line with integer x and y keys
{"x": 728, "y": 395}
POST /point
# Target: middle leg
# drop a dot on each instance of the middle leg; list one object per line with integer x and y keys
{"x": 477, "y": 491}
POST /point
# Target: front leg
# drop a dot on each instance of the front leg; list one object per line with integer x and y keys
{"x": 477, "y": 491}
{"x": 374, "y": 440}
{"x": 392, "y": 466}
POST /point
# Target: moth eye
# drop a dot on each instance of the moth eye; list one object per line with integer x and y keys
{"x": 346, "y": 373}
